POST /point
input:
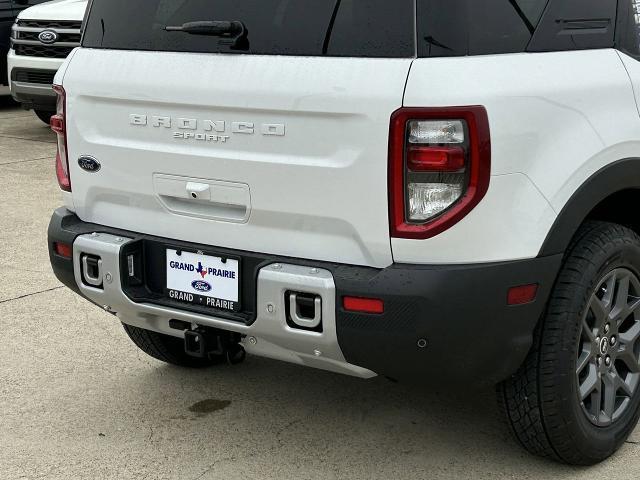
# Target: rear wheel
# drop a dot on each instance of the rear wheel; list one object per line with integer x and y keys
{"x": 576, "y": 399}
{"x": 167, "y": 349}
{"x": 44, "y": 115}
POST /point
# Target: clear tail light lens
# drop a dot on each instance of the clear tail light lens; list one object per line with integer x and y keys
{"x": 436, "y": 131}
{"x": 427, "y": 200}
{"x": 59, "y": 126}
{"x": 439, "y": 168}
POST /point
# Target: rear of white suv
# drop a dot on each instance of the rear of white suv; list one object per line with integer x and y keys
{"x": 404, "y": 189}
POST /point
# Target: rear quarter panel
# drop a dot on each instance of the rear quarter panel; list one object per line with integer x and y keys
{"x": 556, "y": 119}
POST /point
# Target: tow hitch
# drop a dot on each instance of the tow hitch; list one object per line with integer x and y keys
{"x": 208, "y": 343}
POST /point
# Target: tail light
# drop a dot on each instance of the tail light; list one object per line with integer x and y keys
{"x": 439, "y": 168}
{"x": 59, "y": 126}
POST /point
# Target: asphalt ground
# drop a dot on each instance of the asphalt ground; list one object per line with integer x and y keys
{"x": 79, "y": 401}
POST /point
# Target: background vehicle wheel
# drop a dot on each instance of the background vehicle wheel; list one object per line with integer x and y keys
{"x": 45, "y": 116}
{"x": 576, "y": 399}
{"x": 167, "y": 349}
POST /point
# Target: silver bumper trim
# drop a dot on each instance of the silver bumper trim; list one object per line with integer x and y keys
{"x": 24, "y": 88}
{"x": 269, "y": 336}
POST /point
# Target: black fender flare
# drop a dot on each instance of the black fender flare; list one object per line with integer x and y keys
{"x": 611, "y": 179}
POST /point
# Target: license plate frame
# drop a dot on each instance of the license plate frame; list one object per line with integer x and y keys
{"x": 203, "y": 279}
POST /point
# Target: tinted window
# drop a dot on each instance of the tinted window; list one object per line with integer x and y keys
{"x": 628, "y": 31}
{"x": 358, "y": 28}
{"x": 576, "y": 25}
{"x": 473, "y": 27}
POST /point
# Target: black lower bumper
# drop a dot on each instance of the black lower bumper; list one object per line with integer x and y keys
{"x": 442, "y": 325}
{"x": 450, "y": 324}
{"x": 31, "y": 100}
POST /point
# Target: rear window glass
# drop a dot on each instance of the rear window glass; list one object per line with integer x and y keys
{"x": 352, "y": 28}
{"x": 476, "y": 27}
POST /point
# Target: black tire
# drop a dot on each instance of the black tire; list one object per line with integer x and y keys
{"x": 45, "y": 116}
{"x": 542, "y": 402}
{"x": 166, "y": 348}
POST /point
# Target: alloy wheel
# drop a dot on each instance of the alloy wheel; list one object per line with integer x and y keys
{"x": 608, "y": 363}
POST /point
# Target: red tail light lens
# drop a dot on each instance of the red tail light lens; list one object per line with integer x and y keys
{"x": 59, "y": 126}
{"x": 428, "y": 159}
{"x": 439, "y": 168}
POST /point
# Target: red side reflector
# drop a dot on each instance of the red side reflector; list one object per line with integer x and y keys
{"x": 363, "y": 305}
{"x": 522, "y": 295}
{"x": 63, "y": 249}
{"x": 440, "y": 159}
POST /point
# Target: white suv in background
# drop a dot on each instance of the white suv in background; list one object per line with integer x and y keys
{"x": 42, "y": 37}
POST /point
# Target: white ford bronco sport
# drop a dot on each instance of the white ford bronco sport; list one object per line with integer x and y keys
{"x": 437, "y": 191}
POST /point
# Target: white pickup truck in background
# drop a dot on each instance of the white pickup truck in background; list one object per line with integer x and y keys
{"x": 42, "y": 37}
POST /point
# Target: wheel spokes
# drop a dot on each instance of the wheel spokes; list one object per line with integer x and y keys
{"x": 601, "y": 305}
{"x": 627, "y": 350}
{"x": 610, "y": 289}
{"x": 621, "y": 309}
{"x": 625, "y": 304}
{"x": 622, "y": 292}
{"x": 600, "y": 311}
{"x": 596, "y": 403}
{"x": 624, "y": 386}
{"x": 627, "y": 356}
{"x": 590, "y": 384}
{"x": 610, "y": 393}
{"x": 585, "y": 359}
{"x": 633, "y": 306}
{"x": 588, "y": 331}
{"x": 631, "y": 336}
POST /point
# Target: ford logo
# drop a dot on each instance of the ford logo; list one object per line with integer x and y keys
{"x": 48, "y": 37}
{"x": 89, "y": 164}
{"x": 201, "y": 286}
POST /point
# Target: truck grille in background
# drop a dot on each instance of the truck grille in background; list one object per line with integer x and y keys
{"x": 44, "y": 77}
{"x": 25, "y": 42}
{"x": 53, "y": 24}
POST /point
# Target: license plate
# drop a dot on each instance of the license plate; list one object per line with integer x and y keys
{"x": 203, "y": 280}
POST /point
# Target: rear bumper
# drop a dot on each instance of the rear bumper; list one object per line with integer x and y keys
{"x": 468, "y": 336}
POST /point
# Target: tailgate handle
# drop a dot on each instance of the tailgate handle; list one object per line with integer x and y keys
{"x": 199, "y": 191}
{"x": 211, "y": 199}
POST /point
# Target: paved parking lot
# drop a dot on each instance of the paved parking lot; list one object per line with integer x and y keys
{"x": 77, "y": 400}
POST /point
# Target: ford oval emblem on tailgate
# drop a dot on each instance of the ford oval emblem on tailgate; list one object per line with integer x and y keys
{"x": 89, "y": 164}
{"x": 48, "y": 37}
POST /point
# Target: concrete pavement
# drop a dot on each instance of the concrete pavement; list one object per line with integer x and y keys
{"x": 78, "y": 400}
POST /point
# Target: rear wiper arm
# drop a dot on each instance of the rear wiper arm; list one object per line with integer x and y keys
{"x": 230, "y": 32}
